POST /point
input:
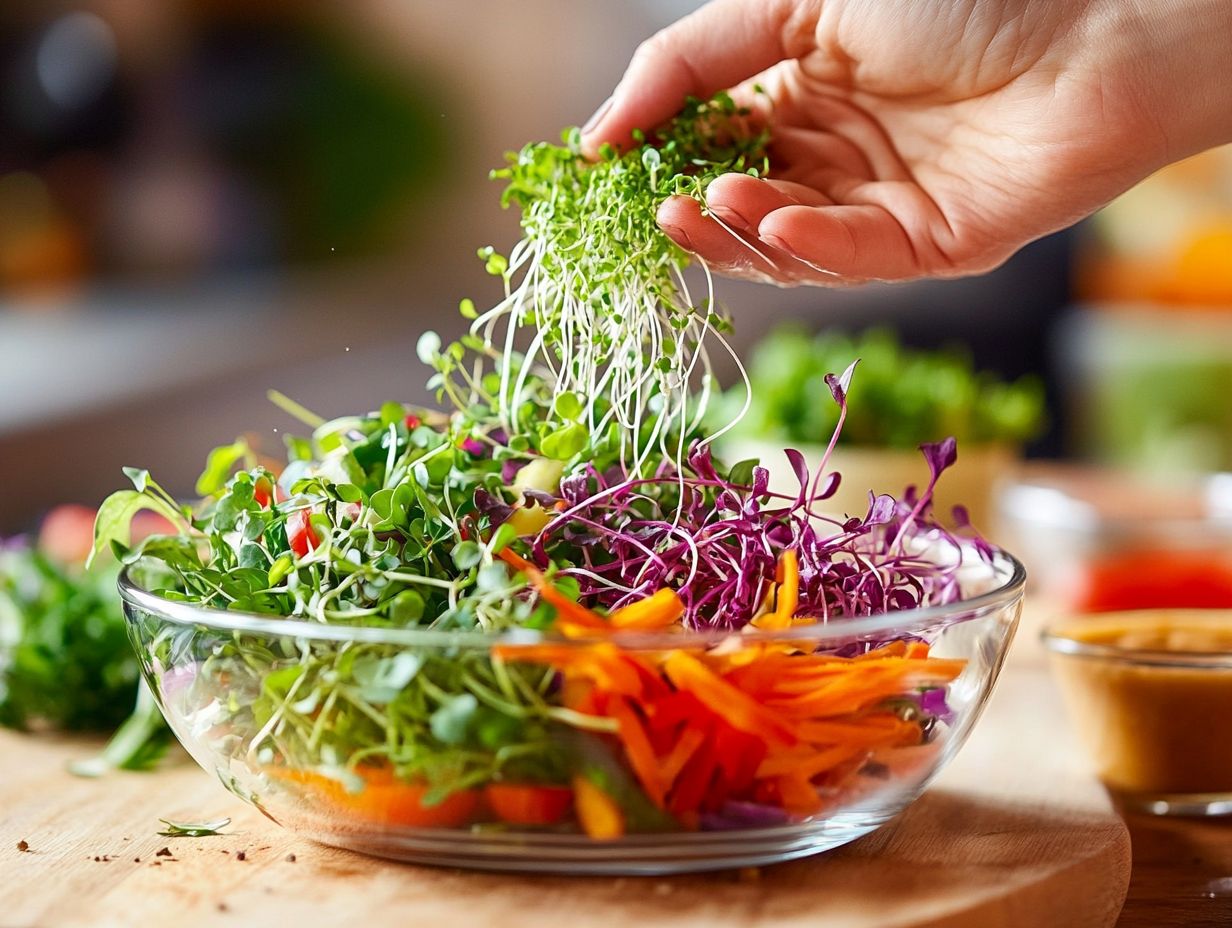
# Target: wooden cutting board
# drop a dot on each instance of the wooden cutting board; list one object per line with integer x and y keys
{"x": 1014, "y": 833}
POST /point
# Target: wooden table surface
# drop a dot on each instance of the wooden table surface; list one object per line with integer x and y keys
{"x": 1015, "y": 830}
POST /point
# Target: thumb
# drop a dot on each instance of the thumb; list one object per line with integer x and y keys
{"x": 712, "y": 49}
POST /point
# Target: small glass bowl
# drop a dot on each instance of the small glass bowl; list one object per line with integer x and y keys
{"x": 227, "y": 684}
{"x": 1150, "y": 693}
{"x": 1085, "y": 531}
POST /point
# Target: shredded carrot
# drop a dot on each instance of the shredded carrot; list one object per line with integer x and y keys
{"x": 571, "y": 616}
{"x": 769, "y": 721}
{"x": 737, "y": 708}
{"x": 808, "y": 763}
{"x": 685, "y": 747}
{"x": 797, "y": 794}
{"x": 868, "y": 730}
{"x": 603, "y": 664}
{"x": 638, "y": 749}
{"x": 893, "y": 649}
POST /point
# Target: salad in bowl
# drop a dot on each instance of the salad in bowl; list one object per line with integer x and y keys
{"x": 548, "y": 629}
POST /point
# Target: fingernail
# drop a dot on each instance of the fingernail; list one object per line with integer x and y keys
{"x": 679, "y": 236}
{"x": 598, "y": 115}
{"x": 775, "y": 242}
{"x": 733, "y": 217}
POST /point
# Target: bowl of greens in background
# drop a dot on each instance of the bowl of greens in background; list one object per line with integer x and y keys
{"x": 901, "y": 399}
{"x": 66, "y": 662}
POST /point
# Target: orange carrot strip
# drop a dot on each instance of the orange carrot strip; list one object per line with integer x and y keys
{"x": 807, "y": 765}
{"x": 893, "y": 649}
{"x": 798, "y": 795}
{"x": 917, "y": 649}
{"x": 569, "y": 613}
{"x": 868, "y": 731}
{"x": 735, "y": 707}
{"x": 654, "y": 612}
{"x": 597, "y": 812}
{"x": 604, "y": 664}
{"x": 682, "y": 751}
{"x": 638, "y": 750}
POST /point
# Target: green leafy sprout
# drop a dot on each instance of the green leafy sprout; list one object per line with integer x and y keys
{"x": 595, "y": 292}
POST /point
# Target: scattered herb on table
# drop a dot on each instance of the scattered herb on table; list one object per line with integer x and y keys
{"x": 193, "y": 829}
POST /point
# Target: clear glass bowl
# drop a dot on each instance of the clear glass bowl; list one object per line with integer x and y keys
{"x": 1150, "y": 694}
{"x": 254, "y": 699}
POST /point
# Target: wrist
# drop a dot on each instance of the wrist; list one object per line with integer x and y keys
{"x": 1176, "y": 53}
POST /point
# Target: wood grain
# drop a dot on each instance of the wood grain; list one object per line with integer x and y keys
{"x": 1013, "y": 834}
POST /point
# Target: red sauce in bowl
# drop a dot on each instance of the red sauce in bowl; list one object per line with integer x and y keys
{"x": 1146, "y": 579}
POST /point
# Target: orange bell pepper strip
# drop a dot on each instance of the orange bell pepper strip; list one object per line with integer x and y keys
{"x": 654, "y": 612}
{"x": 529, "y": 804}
{"x": 787, "y": 598}
{"x": 597, "y": 812}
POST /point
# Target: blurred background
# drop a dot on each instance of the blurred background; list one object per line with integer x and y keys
{"x": 204, "y": 199}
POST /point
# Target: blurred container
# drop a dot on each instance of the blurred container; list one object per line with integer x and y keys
{"x": 1150, "y": 693}
{"x": 1168, "y": 241}
{"x": 1148, "y": 388}
{"x": 1149, "y": 355}
{"x": 1097, "y": 540}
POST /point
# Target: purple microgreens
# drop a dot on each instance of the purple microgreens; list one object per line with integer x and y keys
{"x": 838, "y": 389}
{"x": 940, "y": 456}
{"x": 718, "y": 545}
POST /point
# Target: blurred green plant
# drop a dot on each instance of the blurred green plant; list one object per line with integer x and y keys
{"x": 350, "y": 149}
{"x": 901, "y": 397}
{"x": 65, "y": 659}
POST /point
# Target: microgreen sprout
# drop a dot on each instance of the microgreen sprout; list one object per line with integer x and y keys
{"x": 596, "y": 292}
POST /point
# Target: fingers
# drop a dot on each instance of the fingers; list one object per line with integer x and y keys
{"x": 714, "y": 48}
{"x": 861, "y": 242}
{"x": 791, "y": 233}
{"x": 743, "y": 202}
{"x": 724, "y": 247}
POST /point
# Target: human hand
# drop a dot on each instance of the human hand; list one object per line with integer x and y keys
{"x": 926, "y": 139}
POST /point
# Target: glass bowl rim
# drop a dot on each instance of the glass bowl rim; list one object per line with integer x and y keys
{"x": 187, "y": 614}
{"x": 1056, "y": 642}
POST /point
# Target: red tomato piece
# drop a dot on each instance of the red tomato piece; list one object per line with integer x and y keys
{"x": 527, "y": 804}
{"x": 300, "y": 533}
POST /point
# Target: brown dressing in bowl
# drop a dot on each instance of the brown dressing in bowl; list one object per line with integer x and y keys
{"x": 1150, "y": 693}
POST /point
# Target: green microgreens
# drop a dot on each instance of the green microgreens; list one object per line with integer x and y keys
{"x": 599, "y": 290}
